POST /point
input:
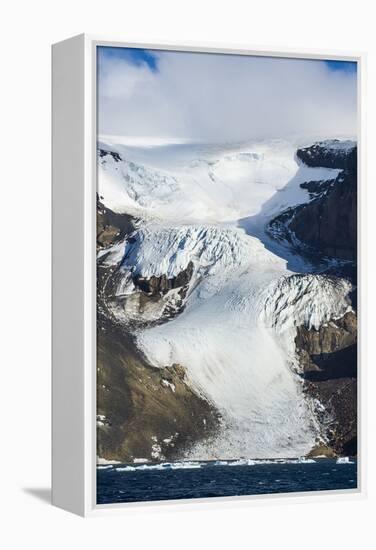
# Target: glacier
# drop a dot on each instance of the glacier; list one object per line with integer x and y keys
{"x": 208, "y": 205}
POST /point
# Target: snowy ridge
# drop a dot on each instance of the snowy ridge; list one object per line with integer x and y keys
{"x": 126, "y": 186}
{"x": 193, "y": 184}
{"x": 336, "y": 144}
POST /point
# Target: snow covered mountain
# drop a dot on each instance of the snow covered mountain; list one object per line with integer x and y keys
{"x": 199, "y": 283}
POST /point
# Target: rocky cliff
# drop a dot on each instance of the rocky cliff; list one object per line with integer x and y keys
{"x": 328, "y": 358}
{"x": 327, "y": 225}
{"x": 329, "y": 154}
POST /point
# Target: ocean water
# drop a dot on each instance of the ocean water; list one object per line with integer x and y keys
{"x": 139, "y": 483}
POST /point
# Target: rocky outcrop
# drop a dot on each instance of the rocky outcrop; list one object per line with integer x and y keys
{"x": 337, "y": 334}
{"x": 103, "y": 153}
{"x": 316, "y": 189}
{"x": 111, "y": 227}
{"x": 328, "y": 361}
{"x": 159, "y": 285}
{"x": 327, "y": 225}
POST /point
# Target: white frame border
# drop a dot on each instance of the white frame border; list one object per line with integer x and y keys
{"x": 93, "y": 509}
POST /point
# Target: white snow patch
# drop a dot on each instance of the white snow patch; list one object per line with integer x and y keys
{"x": 104, "y": 461}
{"x": 168, "y": 384}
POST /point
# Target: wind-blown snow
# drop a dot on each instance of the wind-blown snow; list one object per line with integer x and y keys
{"x": 236, "y": 334}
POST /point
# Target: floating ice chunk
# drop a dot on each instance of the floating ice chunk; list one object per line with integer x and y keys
{"x": 344, "y": 460}
{"x": 185, "y": 465}
{"x": 125, "y": 469}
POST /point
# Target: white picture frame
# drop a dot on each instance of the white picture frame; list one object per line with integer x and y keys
{"x": 74, "y": 165}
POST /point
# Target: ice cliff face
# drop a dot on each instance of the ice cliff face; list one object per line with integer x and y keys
{"x": 237, "y": 305}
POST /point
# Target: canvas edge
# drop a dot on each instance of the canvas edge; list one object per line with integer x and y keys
{"x": 68, "y": 227}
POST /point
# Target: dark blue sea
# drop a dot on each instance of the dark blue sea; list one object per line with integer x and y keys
{"x": 137, "y": 483}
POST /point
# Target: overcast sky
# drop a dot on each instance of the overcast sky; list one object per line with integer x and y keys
{"x": 218, "y": 98}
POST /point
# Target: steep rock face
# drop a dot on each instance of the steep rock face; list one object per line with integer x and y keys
{"x": 159, "y": 285}
{"x": 111, "y": 227}
{"x": 335, "y": 335}
{"x": 327, "y": 225}
{"x": 328, "y": 358}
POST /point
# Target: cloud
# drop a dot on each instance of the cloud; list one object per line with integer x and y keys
{"x": 218, "y": 98}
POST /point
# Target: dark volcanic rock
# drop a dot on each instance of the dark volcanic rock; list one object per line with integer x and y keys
{"x": 317, "y": 188}
{"x": 328, "y": 358}
{"x": 161, "y": 284}
{"x": 327, "y": 225}
{"x": 329, "y": 155}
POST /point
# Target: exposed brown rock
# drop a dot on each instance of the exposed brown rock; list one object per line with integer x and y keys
{"x": 328, "y": 358}
{"x": 329, "y": 223}
{"x": 111, "y": 227}
{"x": 162, "y": 284}
{"x": 336, "y": 335}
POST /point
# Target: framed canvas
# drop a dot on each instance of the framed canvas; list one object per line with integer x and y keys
{"x": 206, "y": 252}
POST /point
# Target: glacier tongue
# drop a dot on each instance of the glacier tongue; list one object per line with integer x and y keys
{"x": 236, "y": 340}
